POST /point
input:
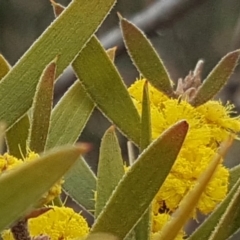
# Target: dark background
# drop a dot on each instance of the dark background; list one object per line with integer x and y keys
{"x": 182, "y": 32}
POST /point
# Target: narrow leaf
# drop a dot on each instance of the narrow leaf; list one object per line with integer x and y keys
{"x": 211, "y": 222}
{"x": 65, "y": 38}
{"x": 143, "y": 228}
{"x": 42, "y": 107}
{"x": 189, "y": 202}
{"x": 94, "y": 68}
{"x": 110, "y": 169}
{"x": 140, "y": 184}
{"x": 4, "y": 66}
{"x": 230, "y": 221}
{"x": 146, "y": 58}
{"x": 16, "y": 137}
{"x": 102, "y": 236}
{"x": 22, "y": 187}
{"x": 234, "y": 176}
{"x": 208, "y": 226}
{"x": 216, "y": 79}
{"x": 69, "y": 117}
{"x": 80, "y": 184}
{"x": 145, "y": 119}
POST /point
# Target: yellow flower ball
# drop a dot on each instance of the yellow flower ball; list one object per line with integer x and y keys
{"x": 57, "y": 223}
{"x": 159, "y": 221}
{"x": 209, "y": 125}
{"x": 217, "y": 118}
{"x": 8, "y": 162}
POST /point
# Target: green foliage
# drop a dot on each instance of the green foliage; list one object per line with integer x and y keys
{"x": 80, "y": 184}
{"x": 64, "y": 38}
{"x": 145, "y": 58}
{"x": 17, "y": 146}
{"x": 22, "y": 187}
{"x": 110, "y": 169}
{"x": 216, "y": 79}
{"x": 118, "y": 199}
{"x": 70, "y": 115}
{"x": 207, "y": 228}
{"x": 134, "y": 192}
{"x": 41, "y": 110}
{"x": 109, "y": 92}
{"x": 142, "y": 230}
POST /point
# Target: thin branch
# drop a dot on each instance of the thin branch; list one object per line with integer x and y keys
{"x": 157, "y": 15}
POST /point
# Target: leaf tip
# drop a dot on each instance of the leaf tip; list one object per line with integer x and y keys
{"x": 120, "y": 16}
{"x": 232, "y": 57}
{"x": 83, "y": 147}
{"x": 183, "y": 124}
{"x": 56, "y": 59}
{"x": 112, "y": 128}
{"x": 57, "y": 8}
{"x": 145, "y": 86}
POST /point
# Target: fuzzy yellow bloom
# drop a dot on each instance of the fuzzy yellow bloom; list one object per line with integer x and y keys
{"x": 159, "y": 221}
{"x": 218, "y": 119}
{"x": 209, "y": 124}
{"x": 58, "y": 223}
{"x": 8, "y": 162}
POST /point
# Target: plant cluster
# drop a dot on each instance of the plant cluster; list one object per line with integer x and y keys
{"x": 182, "y": 135}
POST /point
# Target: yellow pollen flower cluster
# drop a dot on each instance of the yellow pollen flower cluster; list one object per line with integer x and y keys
{"x": 158, "y": 222}
{"x": 57, "y": 223}
{"x": 8, "y": 162}
{"x": 209, "y": 124}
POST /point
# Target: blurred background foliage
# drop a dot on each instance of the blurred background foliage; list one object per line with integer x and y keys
{"x": 182, "y": 31}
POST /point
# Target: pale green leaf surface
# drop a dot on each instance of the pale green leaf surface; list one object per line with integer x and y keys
{"x": 140, "y": 184}
{"x": 206, "y": 228}
{"x": 64, "y": 38}
{"x": 234, "y": 176}
{"x": 143, "y": 228}
{"x": 101, "y": 236}
{"x": 110, "y": 169}
{"x": 42, "y": 107}
{"x": 23, "y": 186}
{"x": 230, "y": 220}
{"x": 69, "y": 117}
{"x": 146, "y": 129}
{"x": 80, "y": 184}
{"x": 17, "y": 136}
{"x": 105, "y": 86}
{"x": 146, "y": 58}
{"x": 216, "y": 79}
